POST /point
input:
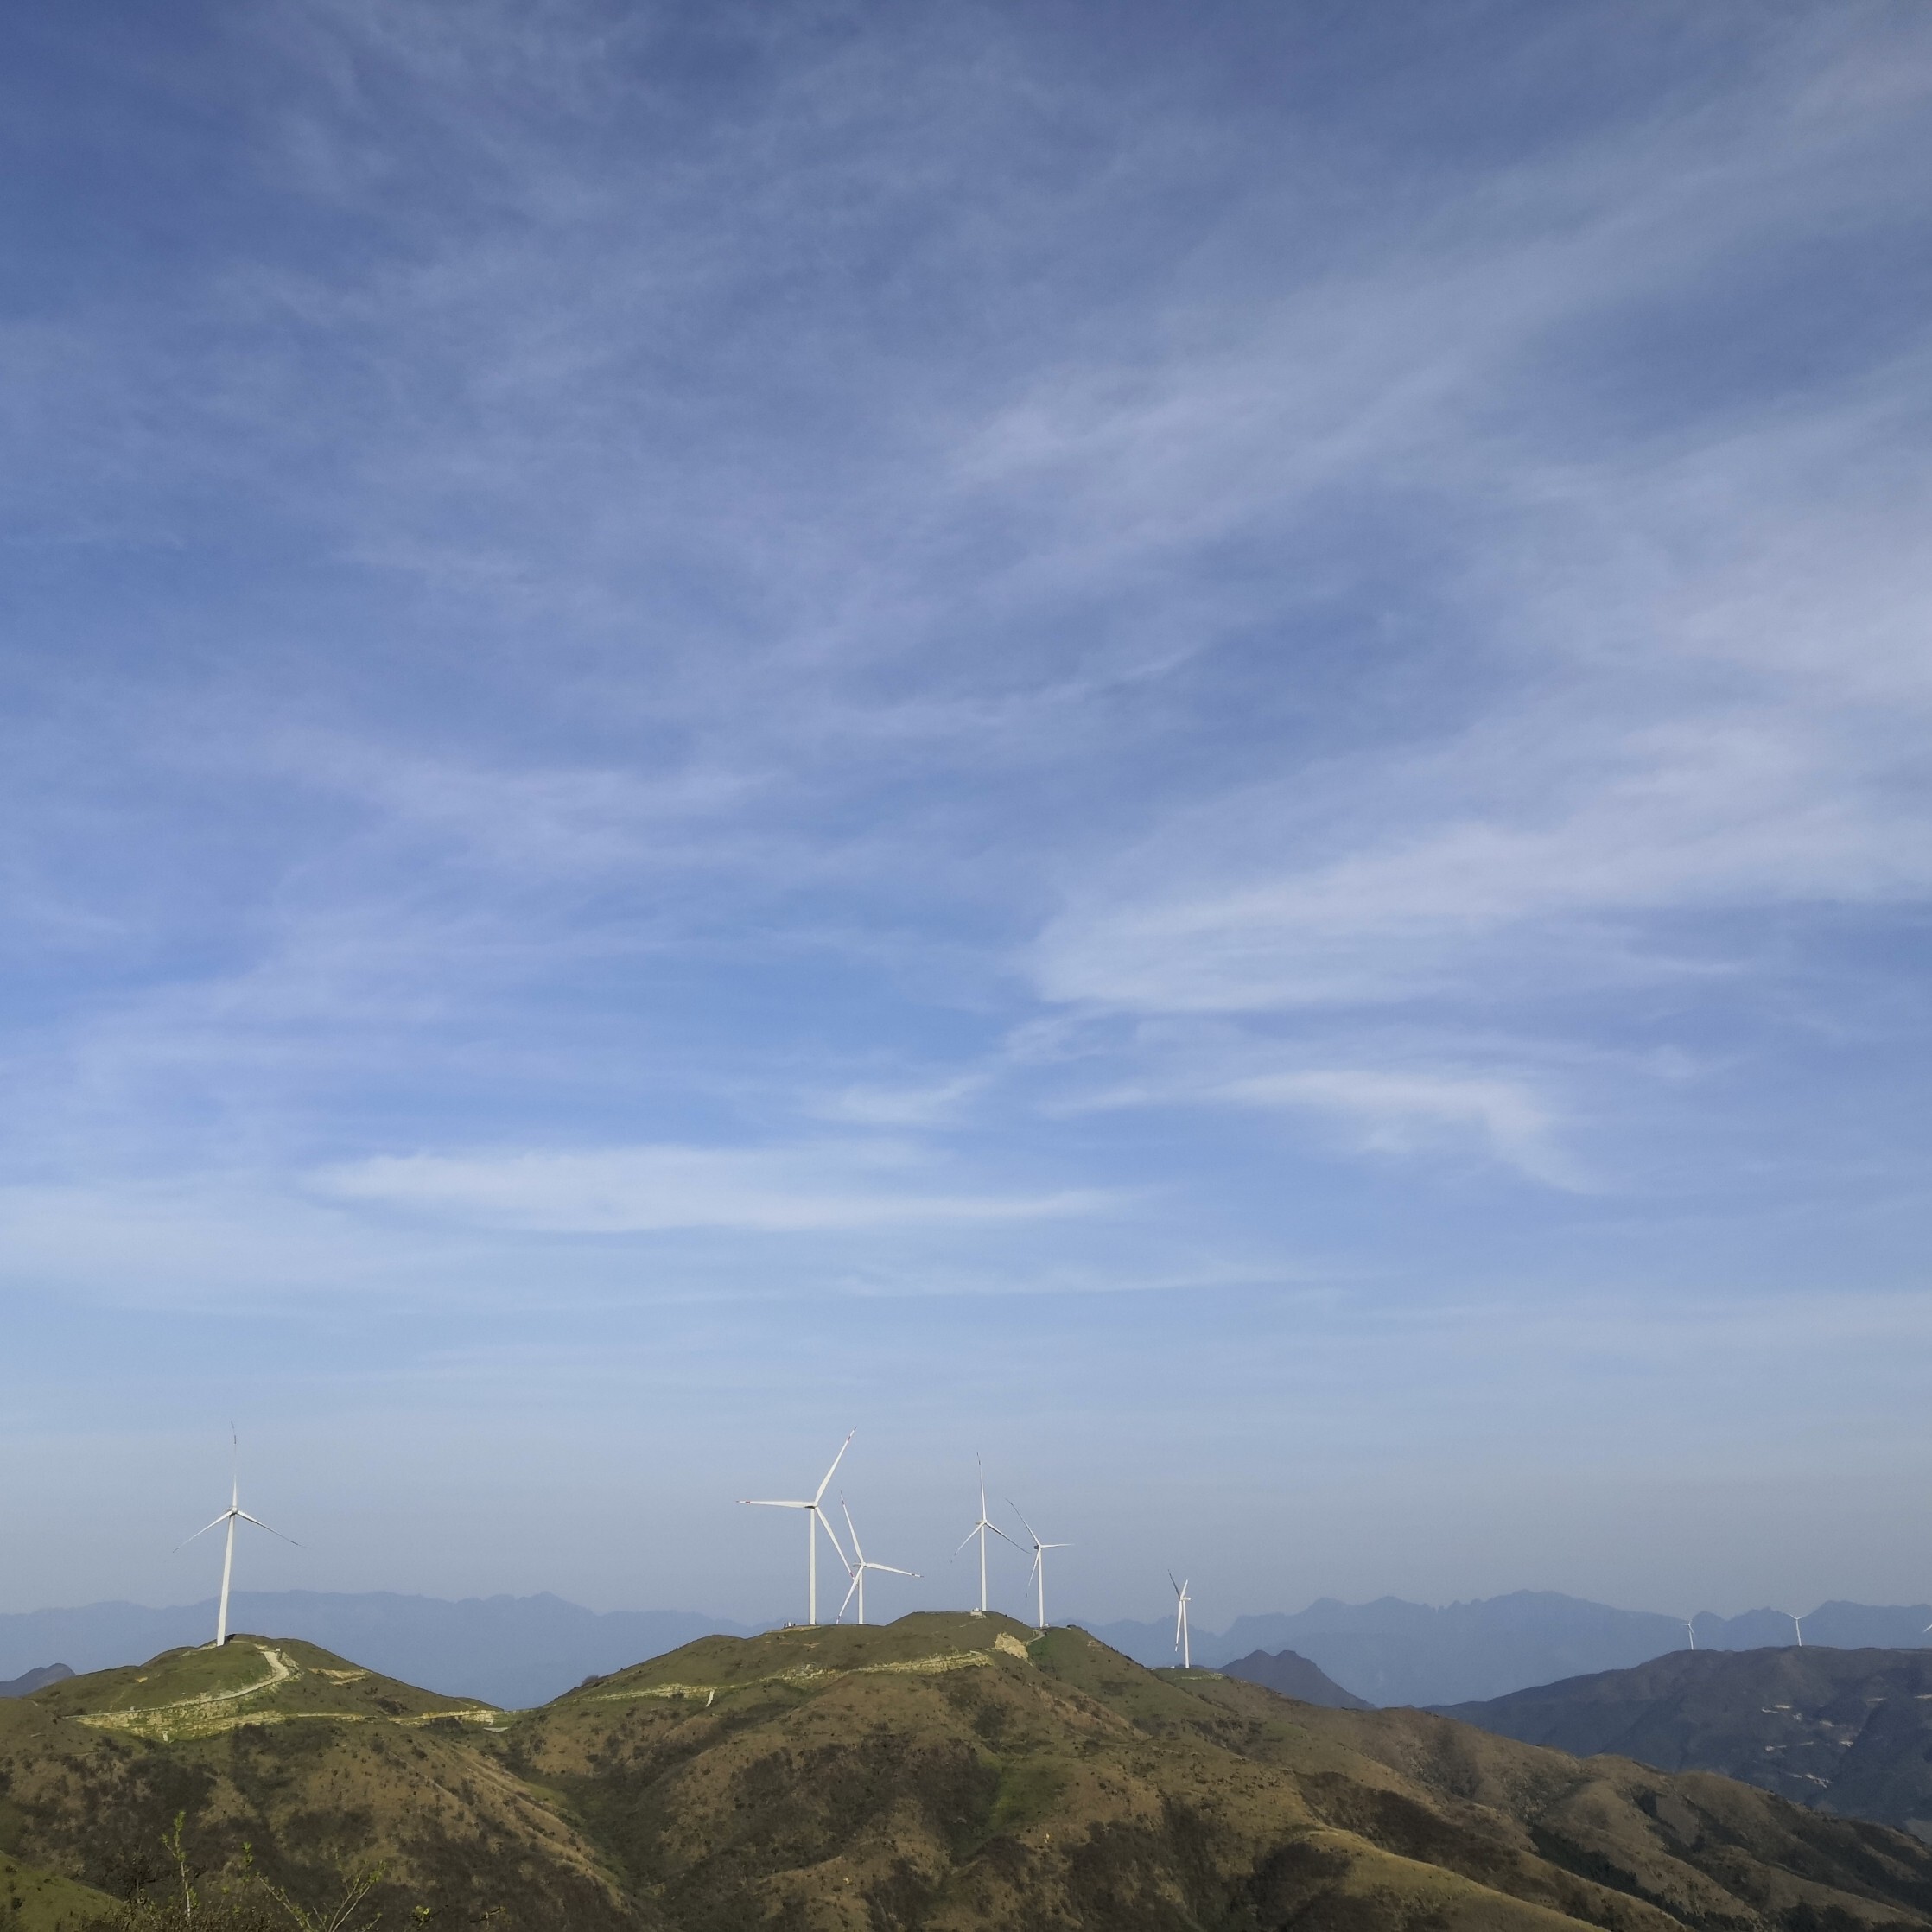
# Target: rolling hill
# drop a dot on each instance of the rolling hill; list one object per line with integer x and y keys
{"x": 514, "y": 1651}
{"x": 1845, "y": 1731}
{"x": 942, "y": 1772}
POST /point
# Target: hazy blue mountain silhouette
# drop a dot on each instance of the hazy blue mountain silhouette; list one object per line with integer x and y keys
{"x": 1394, "y": 1652}
{"x": 513, "y": 1651}
{"x": 35, "y": 1680}
{"x": 1294, "y": 1677}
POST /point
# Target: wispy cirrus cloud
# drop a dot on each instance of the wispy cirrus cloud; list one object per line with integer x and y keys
{"x": 961, "y": 655}
{"x": 637, "y": 1190}
{"x": 1409, "y": 1112}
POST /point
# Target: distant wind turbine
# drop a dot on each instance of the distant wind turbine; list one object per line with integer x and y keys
{"x": 1040, "y": 1559}
{"x": 815, "y": 1520}
{"x": 1799, "y": 1628}
{"x": 1181, "y": 1602}
{"x": 1692, "y": 1628}
{"x": 233, "y": 1514}
{"x": 860, "y": 1565}
{"x": 980, "y": 1529}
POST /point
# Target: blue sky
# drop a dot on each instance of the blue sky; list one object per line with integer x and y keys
{"x": 1185, "y": 744}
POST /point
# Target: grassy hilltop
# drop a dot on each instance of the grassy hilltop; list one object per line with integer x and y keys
{"x": 943, "y": 1771}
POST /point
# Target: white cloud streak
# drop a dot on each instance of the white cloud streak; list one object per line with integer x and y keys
{"x": 648, "y": 1189}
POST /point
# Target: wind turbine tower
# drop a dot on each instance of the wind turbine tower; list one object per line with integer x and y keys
{"x": 1798, "y": 1626}
{"x": 1040, "y": 1559}
{"x": 233, "y": 1514}
{"x": 980, "y": 1529}
{"x": 815, "y": 1520}
{"x": 1181, "y": 1601}
{"x": 859, "y": 1568}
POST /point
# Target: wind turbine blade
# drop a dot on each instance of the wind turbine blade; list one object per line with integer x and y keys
{"x": 1171, "y": 1579}
{"x": 892, "y": 1569}
{"x": 857, "y": 1549}
{"x": 850, "y": 1595}
{"x": 837, "y": 1460}
{"x": 975, "y": 1531}
{"x": 1002, "y": 1534}
{"x": 223, "y": 1518}
{"x": 768, "y": 1503}
{"x": 818, "y": 1517}
{"x": 259, "y": 1524}
{"x": 1024, "y": 1524}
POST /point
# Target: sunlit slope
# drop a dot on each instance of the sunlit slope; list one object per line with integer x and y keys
{"x": 940, "y": 1772}
{"x": 306, "y": 1757}
{"x": 954, "y": 1771}
{"x": 35, "y": 1901}
{"x": 195, "y": 1692}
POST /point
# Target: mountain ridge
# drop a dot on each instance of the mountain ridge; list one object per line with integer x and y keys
{"x": 37, "y": 1679}
{"x": 512, "y": 1651}
{"x": 943, "y": 1772}
{"x": 1290, "y": 1674}
{"x": 519, "y": 1652}
{"x": 1845, "y": 1731}
{"x": 1391, "y": 1651}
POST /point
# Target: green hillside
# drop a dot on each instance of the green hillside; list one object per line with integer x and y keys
{"x": 1846, "y": 1731}
{"x": 940, "y": 1772}
{"x": 35, "y": 1901}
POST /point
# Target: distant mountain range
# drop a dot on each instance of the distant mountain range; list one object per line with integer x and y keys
{"x": 1391, "y": 1652}
{"x": 1846, "y": 1731}
{"x": 510, "y": 1651}
{"x": 519, "y": 1651}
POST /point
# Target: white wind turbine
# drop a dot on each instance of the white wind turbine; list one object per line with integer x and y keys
{"x": 1797, "y": 1626}
{"x": 1181, "y": 1601}
{"x": 815, "y": 1520}
{"x": 860, "y": 1566}
{"x": 1692, "y": 1628}
{"x": 1040, "y": 1559}
{"x": 979, "y": 1529}
{"x": 233, "y": 1514}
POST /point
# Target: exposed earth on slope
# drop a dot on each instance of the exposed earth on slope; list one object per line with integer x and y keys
{"x": 940, "y": 1772}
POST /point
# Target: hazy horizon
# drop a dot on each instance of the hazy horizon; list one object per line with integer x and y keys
{"x": 1185, "y": 746}
{"x": 1016, "y": 1607}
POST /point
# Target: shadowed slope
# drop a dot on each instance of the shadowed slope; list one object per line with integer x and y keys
{"x": 1846, "y": 1731}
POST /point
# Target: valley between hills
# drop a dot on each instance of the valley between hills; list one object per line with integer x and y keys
{"x": 942, "y": 1772}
